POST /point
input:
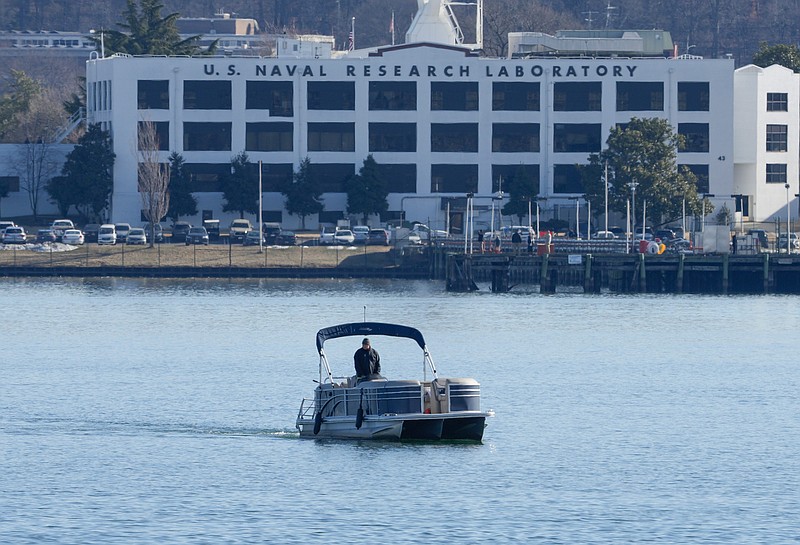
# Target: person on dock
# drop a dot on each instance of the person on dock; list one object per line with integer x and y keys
{"x": 480, "y": 240}
{"x": 516, "y": 241}
{"x": 367, "y": 362}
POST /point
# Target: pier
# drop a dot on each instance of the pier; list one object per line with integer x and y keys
{"x": 627, "y": 273}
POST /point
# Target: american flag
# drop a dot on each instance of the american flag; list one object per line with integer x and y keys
{"x": 350, "y": 42}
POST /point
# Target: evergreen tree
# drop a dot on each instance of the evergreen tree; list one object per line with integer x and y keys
{"x": 88, "y": 173}
{"x": 367, "y": 191}
{"x": 181, "y": 200}
{"x": 522, "y": 189}
{"x": 240, "y": 188}
{"x": 303, "y": 193}
{"x": 146, "y": 32}
{"x": 643, "y": 153}
{"x": 23, "y": 89}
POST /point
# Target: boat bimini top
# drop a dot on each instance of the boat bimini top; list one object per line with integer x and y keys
{"x": 362, "y": 329}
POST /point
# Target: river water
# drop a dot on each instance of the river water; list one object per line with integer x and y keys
{"x": 162, "y": 411}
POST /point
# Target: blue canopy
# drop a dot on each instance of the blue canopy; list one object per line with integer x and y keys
{"x": 368, "y": 328}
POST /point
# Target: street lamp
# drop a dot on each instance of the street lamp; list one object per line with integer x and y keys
{"x": 577, "y": 216}
{"x": 788, "y": 222}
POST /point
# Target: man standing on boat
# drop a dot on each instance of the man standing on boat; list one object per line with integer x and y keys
{"x": 367, "y": 362}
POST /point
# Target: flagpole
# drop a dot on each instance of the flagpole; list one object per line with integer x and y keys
{"x": 353, "y": 33}
{"x": 391, "y": 26}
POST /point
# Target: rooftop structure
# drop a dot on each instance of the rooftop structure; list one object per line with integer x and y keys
{"x": 591, "y": 43}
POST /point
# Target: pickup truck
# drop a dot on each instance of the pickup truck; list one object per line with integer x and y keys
{"x": 426, "y": 233}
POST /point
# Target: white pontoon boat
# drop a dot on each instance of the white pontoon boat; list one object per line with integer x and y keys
{"x": 378, "y": 408}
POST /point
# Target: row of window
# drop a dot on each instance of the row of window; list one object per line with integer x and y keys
{"x": 278, "y": 96}
{"x": 402, "y": 137}
{"x": 402, "y": 178}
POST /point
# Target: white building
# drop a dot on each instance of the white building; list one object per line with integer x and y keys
{"x": 766, "y": 143}
{"x": 440, "y": 120}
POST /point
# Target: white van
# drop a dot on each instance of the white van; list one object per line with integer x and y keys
{"x": 107, "y": 234}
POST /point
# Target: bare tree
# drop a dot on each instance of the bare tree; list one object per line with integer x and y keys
{"x": 37, "y": 129}
{"x": 153, "y": 177}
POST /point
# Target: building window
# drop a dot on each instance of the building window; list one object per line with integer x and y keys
{"x": 503, "y": 174}
{"x": 206, "y": 95}
{"x": 458, "y": 137}
{"x": 269, "y": 137}
{"x": 332, "y": 176}
{"x": 515, "y": 97}
{"x": 399, "y": 178}
{"x": 458, "y": 178}
{"x": 578, "y": 97}
{"x": 693, "y": 96}
{"x": 567, "y": 179}
{"x": 701, "y": 174}
{"x": 10, "y": 183}
{"x": 776, "y": 173}
{"x": 454, "y": 96}
{"x": 576, "y": 137}
{"x": 331, "y": 137}
{"x": 515, "y": 137}
{"x": 331, "y": 216}
{"x": 275, "y": 96}
{"x": 275, "y": 176}
{"x": 207, "y": 137}
{"x": 207, "y": 177}
{"x": 640, "y": 96}
{"x": 393, "y": 95}
{"x": 331, "y": 95}
{"x": 397, "y": 137}
{"x": 162, "y": 134}
{"x": 777, "y": 138}
{"x": 695, "y": 137}
{"x": 153, "y": 94}
{"x": 777, "y": 102}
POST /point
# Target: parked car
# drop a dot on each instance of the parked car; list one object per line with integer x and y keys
{"x": 107, "y": 234}
{"x": 360, "y": 234}
{"x": 3, "y": 226}
{"x": 212, "y": 226}
{"x": 122, "y": 231}
{"x": 238, "y": 229}
{"x": 286, "y": 238}
{"x": 251, "y": 239}
{"x": 664, "y": 234}
{"x": 378, "y": 236}
{"x": 137, "y": 235}
{"x": 197, "y": 235}
{"x": 159, "y": 232}
{"x": 344, "y": 236}
{"x": 326, "y": 237}
{"x": 90, "y": 231}
{"x": 45, "y": 235}
{"x": 73, "y": 237}
{"x": 271, "y": 230}
{"x": 604, "y": 235}
{"x": 15, "y": 235}
{"x": 781, "y": 241}
{"x": 179, "y": 231}
{"x": 59, "y": 226}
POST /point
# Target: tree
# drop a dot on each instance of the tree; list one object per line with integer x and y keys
{"x": 88, "y": 173}
{"x": 153, "y": 177}
{"x": 522, "y": 188}
{"x": 61, "y": 193}
{"x": 366, "y": 191}
{"x": 303, "y": 193}
{"x": 181, "y": 200}
{"x": 785, "y": 55}
{"x": 146, "y": 32}
{"x": 643, "y": 153}
{"x": 23, "y": 89}
{"x": 37, "y": 128}
{"x": 240, "y": 187}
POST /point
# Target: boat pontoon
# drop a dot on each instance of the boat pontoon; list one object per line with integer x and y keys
{"x": 379, "y": 408}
